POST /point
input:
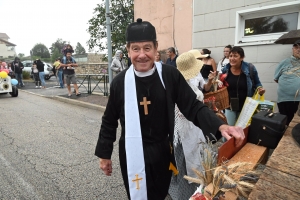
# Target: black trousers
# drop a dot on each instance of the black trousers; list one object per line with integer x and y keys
{"x": 288, "y": 108}
{"x": 157, "y": 161}
{"x": 36, "y": 79}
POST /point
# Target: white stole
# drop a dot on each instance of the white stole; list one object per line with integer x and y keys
{"x": 133, "y": 137}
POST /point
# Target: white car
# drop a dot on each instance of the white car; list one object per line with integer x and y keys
{"x": 47, "y": 68}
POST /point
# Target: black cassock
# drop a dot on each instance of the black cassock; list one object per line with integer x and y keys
{"x": 157, "y": 127}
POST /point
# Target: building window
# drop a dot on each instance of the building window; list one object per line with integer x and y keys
{"x": 10, "y": 48}
{"x": 271, "y": 24}
{"x": 264, "y": 25}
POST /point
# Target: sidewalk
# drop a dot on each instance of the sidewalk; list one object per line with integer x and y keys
{"x": 94, "y": 101}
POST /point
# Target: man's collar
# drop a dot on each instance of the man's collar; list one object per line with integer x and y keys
{"x": 295, "y": 57}
{"x": 147, "y": 73}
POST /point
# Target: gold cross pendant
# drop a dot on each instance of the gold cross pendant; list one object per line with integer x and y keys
{"x": 145, "y": 104}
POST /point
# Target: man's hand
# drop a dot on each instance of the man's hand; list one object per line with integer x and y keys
{"x": 106, "y": 166}
{"x": 232, "y": 131}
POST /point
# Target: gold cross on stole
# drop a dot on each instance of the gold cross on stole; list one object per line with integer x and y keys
{"x": 145, "y": 104}
{"x": 137, "y": 179}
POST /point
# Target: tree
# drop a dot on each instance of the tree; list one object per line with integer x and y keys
{"x": 79, "y": 49}
{"x": 59, "y": 44}
{"x": 55, "y": 54}
{"x": 40, "y": 50}
{"x": 121, "y": 14}
{"x": 21, "y": 55}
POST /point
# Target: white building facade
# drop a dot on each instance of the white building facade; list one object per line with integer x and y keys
{"x": 7, "y": 49}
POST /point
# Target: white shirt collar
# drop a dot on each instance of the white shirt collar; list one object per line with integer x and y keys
{"x": 144, "y": 74}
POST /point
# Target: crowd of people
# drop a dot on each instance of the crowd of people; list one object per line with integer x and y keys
{"x": 15, "y": 69}
{"x": 64, "y": 70}
{"x": 240, "y": 77}
{"x": 161, "y": 110}
{"x": 173, "y": 119}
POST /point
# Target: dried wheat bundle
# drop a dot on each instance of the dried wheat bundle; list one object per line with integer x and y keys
{"x": 237, "y": 178}
{"x": 208, "y": 156}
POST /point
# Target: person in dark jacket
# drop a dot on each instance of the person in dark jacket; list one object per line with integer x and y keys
{"x": 172, "y": 56}
{"x": 17, "y": 67}
{"x": 40, "y": 67}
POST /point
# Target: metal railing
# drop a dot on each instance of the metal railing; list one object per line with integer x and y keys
{"x": 93, "y": 76}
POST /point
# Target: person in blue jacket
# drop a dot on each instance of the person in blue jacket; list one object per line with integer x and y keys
{"x": 241, "y": 79}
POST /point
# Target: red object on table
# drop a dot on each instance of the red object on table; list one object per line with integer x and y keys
{"x": 228, "y": 149}
{"x": 198, "y": 196}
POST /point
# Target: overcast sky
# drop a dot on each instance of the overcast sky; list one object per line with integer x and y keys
{"x": 28, "y": 22}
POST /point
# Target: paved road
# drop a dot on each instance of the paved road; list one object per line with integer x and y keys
{"x": 47, "y": 151}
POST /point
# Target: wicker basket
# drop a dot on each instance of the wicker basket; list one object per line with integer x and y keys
{"x": 220, "y": 96}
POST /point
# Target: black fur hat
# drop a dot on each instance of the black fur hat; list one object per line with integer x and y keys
{"x": 296, "y": 133}
{"x": 140, "y": 31}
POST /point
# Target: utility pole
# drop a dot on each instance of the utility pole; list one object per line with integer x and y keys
{"x": 108, "y": 33}
{"x": 31, "y": 56}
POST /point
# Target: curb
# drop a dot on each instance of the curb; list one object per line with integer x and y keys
{"x": 78, "y": 103}
{"x": 70, "y": 101}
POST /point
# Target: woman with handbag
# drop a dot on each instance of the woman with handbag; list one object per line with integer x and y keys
{"x": 241, "y": 79}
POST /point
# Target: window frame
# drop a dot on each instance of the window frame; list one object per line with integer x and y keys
{"x": 10, "y": 48}
{"x": 277, "y": 9}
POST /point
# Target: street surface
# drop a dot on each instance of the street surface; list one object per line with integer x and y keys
{"x": 47, "y": 151}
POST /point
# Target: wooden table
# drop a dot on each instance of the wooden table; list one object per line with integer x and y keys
{"x": 281, "y": 177}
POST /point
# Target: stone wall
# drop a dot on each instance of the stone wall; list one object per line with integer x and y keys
{"x": 92, "y": 68}
{"x": 94, "y": 65}
{"x": 95, "y": 58}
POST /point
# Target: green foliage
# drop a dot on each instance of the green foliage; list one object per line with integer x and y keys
{"x": 21, "y": 55}
{"x": 79, "y": 49}
{"x": 26, "y": 75}
{"x": 40, "y": 50}
{"x": 55, "y": 54}
{"x": 121, "y": 15}
{"x": 48, "y": 60}
{"x": 59, "y": 44}
{"x": 25, "y": 58}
